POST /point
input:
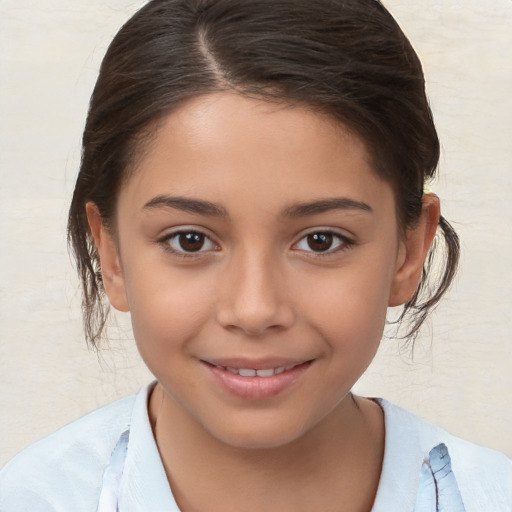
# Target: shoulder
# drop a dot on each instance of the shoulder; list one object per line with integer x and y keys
{"x": 67, "y": 466}
{"x": 484, "y": 476}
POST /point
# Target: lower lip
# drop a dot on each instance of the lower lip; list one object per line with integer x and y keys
{"x": 257, "y": 388}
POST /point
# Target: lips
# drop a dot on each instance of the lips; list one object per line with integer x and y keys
{"x": 256, "y": 380}
{"x": 253, "y": 372}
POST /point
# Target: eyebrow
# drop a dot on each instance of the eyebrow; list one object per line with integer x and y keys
{"x": 203, "y": 207}
{"x": 187, "y": 205}
{"x": 325, "y": 205}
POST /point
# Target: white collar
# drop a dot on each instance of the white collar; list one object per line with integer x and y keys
{"x": 144, "y": 486}
{"x": 408, "y": 440}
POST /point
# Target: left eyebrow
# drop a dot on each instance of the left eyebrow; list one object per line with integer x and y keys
{"x": 325, "y": 205}
{"x": 186, "y": 204}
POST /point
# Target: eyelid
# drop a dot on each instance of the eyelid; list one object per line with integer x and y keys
{"x": 346, "y": 241}
{"x": 164, "y": 241}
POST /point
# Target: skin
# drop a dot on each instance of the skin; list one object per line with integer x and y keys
{"x": 258, "y": 289}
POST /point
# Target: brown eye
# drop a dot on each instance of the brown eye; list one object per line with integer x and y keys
{"x": 320, "y": 242}
{"x": 323, "y": 242}
{"x": 190, "y": 241}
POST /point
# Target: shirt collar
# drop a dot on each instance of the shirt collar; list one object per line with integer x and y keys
{"x": 407, "y": 443}
{"x": 144, "y": 486}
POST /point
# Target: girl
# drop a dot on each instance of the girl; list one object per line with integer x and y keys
{"x": 252, "y": 191}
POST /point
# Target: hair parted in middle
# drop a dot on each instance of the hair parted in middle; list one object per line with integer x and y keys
{"x": 348, "y": 59}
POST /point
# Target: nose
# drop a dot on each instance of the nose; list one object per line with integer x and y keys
{"x": 254, "y": 298}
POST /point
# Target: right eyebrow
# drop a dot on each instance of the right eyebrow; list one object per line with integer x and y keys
{"x": 186, "y": 204}
{"x": 325, "y": 205}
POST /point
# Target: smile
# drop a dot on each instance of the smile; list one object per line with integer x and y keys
{"x": 251, "y": 372}
{"x": 256, "y": 383}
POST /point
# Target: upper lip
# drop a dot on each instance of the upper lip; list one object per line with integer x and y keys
{"x": 256, "y": 364}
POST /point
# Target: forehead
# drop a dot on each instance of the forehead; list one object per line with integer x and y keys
{"x": 226, "y": 147}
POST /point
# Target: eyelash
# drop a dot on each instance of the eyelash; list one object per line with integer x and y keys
{"x": 344, "y": 243}
{"x": 167, "y": 239}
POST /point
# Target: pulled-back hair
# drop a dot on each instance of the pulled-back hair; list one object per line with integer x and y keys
{"x": 346, "y": 58}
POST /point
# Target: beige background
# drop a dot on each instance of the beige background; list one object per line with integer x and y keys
{"x": 49, "y": 55}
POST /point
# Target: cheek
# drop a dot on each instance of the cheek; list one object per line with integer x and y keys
{"x": 350, "y": 306}
{"x": 167, "y": 309}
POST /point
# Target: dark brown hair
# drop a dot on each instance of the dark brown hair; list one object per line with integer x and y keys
{"x": 346, "y": 58}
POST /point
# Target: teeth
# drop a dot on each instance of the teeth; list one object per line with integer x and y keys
{"x": 251, "y": 372}
{"x": 246, "y": 372}
{"x": 265, "y": 373}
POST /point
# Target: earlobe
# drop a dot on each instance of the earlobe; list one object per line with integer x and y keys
{"x": 111, "y": 270}
{"x": 413, "y": 251}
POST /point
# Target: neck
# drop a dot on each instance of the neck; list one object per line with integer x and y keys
{"x": 334, "y": 466}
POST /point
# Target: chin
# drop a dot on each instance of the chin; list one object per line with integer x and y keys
{"x": 257, "y": 440}
{"x": 264, "y": 434}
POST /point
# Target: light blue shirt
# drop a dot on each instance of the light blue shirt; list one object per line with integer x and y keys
{"x": 109, "y": 461}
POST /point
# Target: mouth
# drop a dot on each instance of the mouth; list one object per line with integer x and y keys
{"x": 253, "y": 372}
{"x": 265, "y": 381}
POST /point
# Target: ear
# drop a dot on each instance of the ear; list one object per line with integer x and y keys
{"x": 413, "y": 251}
{"x": 111, "y": 270}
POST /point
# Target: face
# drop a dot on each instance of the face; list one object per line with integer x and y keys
{"x": 257, "y": 252}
